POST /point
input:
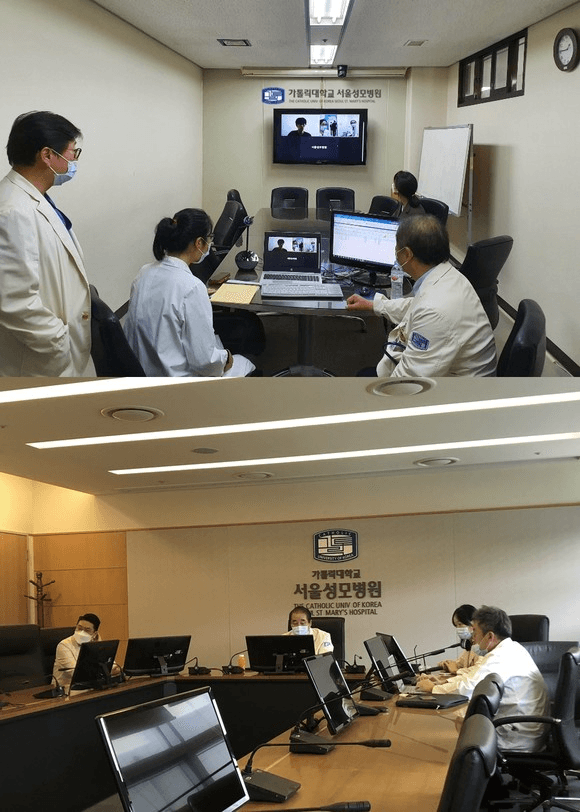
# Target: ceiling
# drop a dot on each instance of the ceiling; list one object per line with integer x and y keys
{"x": 210, "y": 403}
{"x": 375, "y": 36}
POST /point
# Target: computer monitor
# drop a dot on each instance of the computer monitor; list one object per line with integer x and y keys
{"x": 156, "y": 656}
{"x": 279, "y": 653}
{"x": 285, "y": 250}
{"x": 396, "y": 653}
{"x": 94, "y": 665}
{"x": 379, "y": 656}
{"x": 173, "y": 755}
{"x": 332, "y": 690}
{"x": 365, "y": 241}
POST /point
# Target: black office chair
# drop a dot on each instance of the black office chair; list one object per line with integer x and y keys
{"x": 563, "y": 751}
{"x": 289, "y": 197}
{"x": 110, "y": 350}
{"x": 482, "y": 264}
{"x": 233, "y": 194}
{"x": 228, "y": 230}
{"x": 472, "y": 765}
{"x": 333, "y": 198}
{"x": 547, "y": 655}
{"x": 335, "y": 627}
{"x": 436, "y": 207}
{"x": 381, "y": 204}
{"x": 21, "y": 663}
{"x": 530, "y": 628}
{"x": 49, "y": 640}
{"x": 524, "y": 352}
{"x": 486, "y": 697}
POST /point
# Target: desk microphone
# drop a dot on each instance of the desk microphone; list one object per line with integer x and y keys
{"x": 266, "y": 786}
{"x": 346, "y": 806}
{"x": 433, "y": 654}
{"x": 234, "y": 669}
{"x": 247, "y": 260}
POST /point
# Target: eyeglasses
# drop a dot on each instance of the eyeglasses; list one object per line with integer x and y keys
{"x": 76, "y": 152}
{"x": 84, "y": 629}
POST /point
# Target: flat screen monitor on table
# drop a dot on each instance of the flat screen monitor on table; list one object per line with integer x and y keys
{"x": 156, "y": 656}
{"x": 331, "y": 136}
{"x": 173, "y": 755}
{"x": 279, "y": 653}
{"x": 365, "y": 241}
{"x": 396, "y": 652}
{"x": 94, "y": 665}
{"x": 379, "y": 656}
{"x": 332, "y": 691}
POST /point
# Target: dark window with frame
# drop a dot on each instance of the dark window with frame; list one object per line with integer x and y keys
{"x": 495, "y": 73}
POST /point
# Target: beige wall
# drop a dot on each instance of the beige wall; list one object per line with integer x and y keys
{"x": 220, "y": 584}
{"x": 238, "y": 140}
{"x": 140, "y": 109}
{"x": 526, "y": 163}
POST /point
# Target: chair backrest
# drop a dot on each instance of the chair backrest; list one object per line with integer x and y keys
{"x": 524, "y": 352}
{"x": 233, "y": 194}
{"x": 289, "y": 197}
{"x": 530, "y": 628}
{"x": 230, "y": 224}
{"x": 20, "y": 657}
{"x": 110, "y": 350}
{"x": 486, "y": 696}
{"x": 335, "y": 627}
{"x": 381, "y": 204}
{"x": 49, "y": 640}
{"x": 547, "y": 655}
{"x": 482, "y": 264}
{"x": 336, "y": 198}
{"x": 435, "y": 207}
{"x": 565, "y": 734}
{"x": 472, "y": 765}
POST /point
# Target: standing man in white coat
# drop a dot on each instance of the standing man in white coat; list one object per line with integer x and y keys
{"x": 45, "y": 303}
{"x": 442, "y": 329}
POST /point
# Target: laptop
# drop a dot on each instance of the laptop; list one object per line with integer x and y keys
{"x": 292, "y": 267}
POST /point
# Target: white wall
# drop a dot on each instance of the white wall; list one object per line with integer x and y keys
{"x": 139, "y": 106}
{"x": 238, "y": 139}
{"x": 220, "y": 584}
{"x": 527, "y": 168}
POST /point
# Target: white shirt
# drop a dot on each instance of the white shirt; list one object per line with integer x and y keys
{"x": 322, "y": 640}
{"x": 525, "y": 693}
{"x": 169, "y": 324}
{"x": 443, "y": 329}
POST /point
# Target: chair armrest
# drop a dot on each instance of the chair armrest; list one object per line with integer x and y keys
{"x": 510, "y": 720}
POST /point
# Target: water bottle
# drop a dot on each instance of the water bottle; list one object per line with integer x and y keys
{"x": 397, "y": 275}
{"x": 242, "y": 661}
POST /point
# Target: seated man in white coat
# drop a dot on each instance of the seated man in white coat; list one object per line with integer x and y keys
{"x": 525, "y": 692}
{"x": 45, "y": 303}
{"x": 441, "y": 329}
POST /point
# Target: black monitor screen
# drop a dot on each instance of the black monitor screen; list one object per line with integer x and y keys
{"x": 156, "y": 655}
{"x": 379, "y": 655}
{"x": 363, "y": 240}
{"x": 172, "y": 755}
{"x": 396, "y": 653}
{"x": 94, "y": 665}
{"x": 279, "y": 653}
{"x": 332, "y": 136}
{"x": 332, "y": 691}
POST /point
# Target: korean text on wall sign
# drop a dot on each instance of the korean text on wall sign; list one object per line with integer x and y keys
{"x": 345, "y": 93}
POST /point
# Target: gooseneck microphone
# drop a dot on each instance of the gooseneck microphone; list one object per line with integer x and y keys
{"x": 346, "y": 806}
{"x": 266, "y": 786}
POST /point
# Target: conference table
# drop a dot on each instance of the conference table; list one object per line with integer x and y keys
{"x": 53, "y": 757}
{"x": 305, "y": 221}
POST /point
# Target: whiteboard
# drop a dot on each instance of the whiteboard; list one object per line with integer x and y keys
{"x": 443, "y": 164}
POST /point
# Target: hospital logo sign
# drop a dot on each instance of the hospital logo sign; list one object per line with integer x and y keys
{"x": 335, "y": 546}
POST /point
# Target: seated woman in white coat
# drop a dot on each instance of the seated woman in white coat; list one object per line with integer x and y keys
{"x": 169, "y": 322}
{"x": 300, "y": 622}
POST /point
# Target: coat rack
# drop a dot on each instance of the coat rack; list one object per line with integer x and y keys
{"x": 40, "y": 598}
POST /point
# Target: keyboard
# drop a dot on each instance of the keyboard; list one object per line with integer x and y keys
{"x": 293, "y": 277}
{"x": 298, "y": 290}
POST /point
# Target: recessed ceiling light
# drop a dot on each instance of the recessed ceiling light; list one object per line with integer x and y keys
{"x": 132, "y": 414}
{"x": 400, "y": 386}
{"x": 253, "y": 475}
{"x": 235, "y": 43}
{"x": 415, "y": 43}
{"x": 204, "y": 450}
{"x": 436, "y": 462}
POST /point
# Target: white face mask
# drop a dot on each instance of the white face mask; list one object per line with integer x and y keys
{"x": 203, "y": 256}
{"x": 301, "y": 630}
{"x": 60, "y": 178}
{"x": 464, "y": 632}
{"x": 83, "y": 637}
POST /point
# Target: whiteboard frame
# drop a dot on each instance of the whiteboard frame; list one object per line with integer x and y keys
{"x": 464, "y": 162}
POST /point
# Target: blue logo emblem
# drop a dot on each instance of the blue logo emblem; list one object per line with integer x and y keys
{"x": 419, "y": 341}
{"x": 335, "y": 546}
{"x": 273, "y": 95}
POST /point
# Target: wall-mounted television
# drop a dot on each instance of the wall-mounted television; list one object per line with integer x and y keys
{"x": 332, "y": 136}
